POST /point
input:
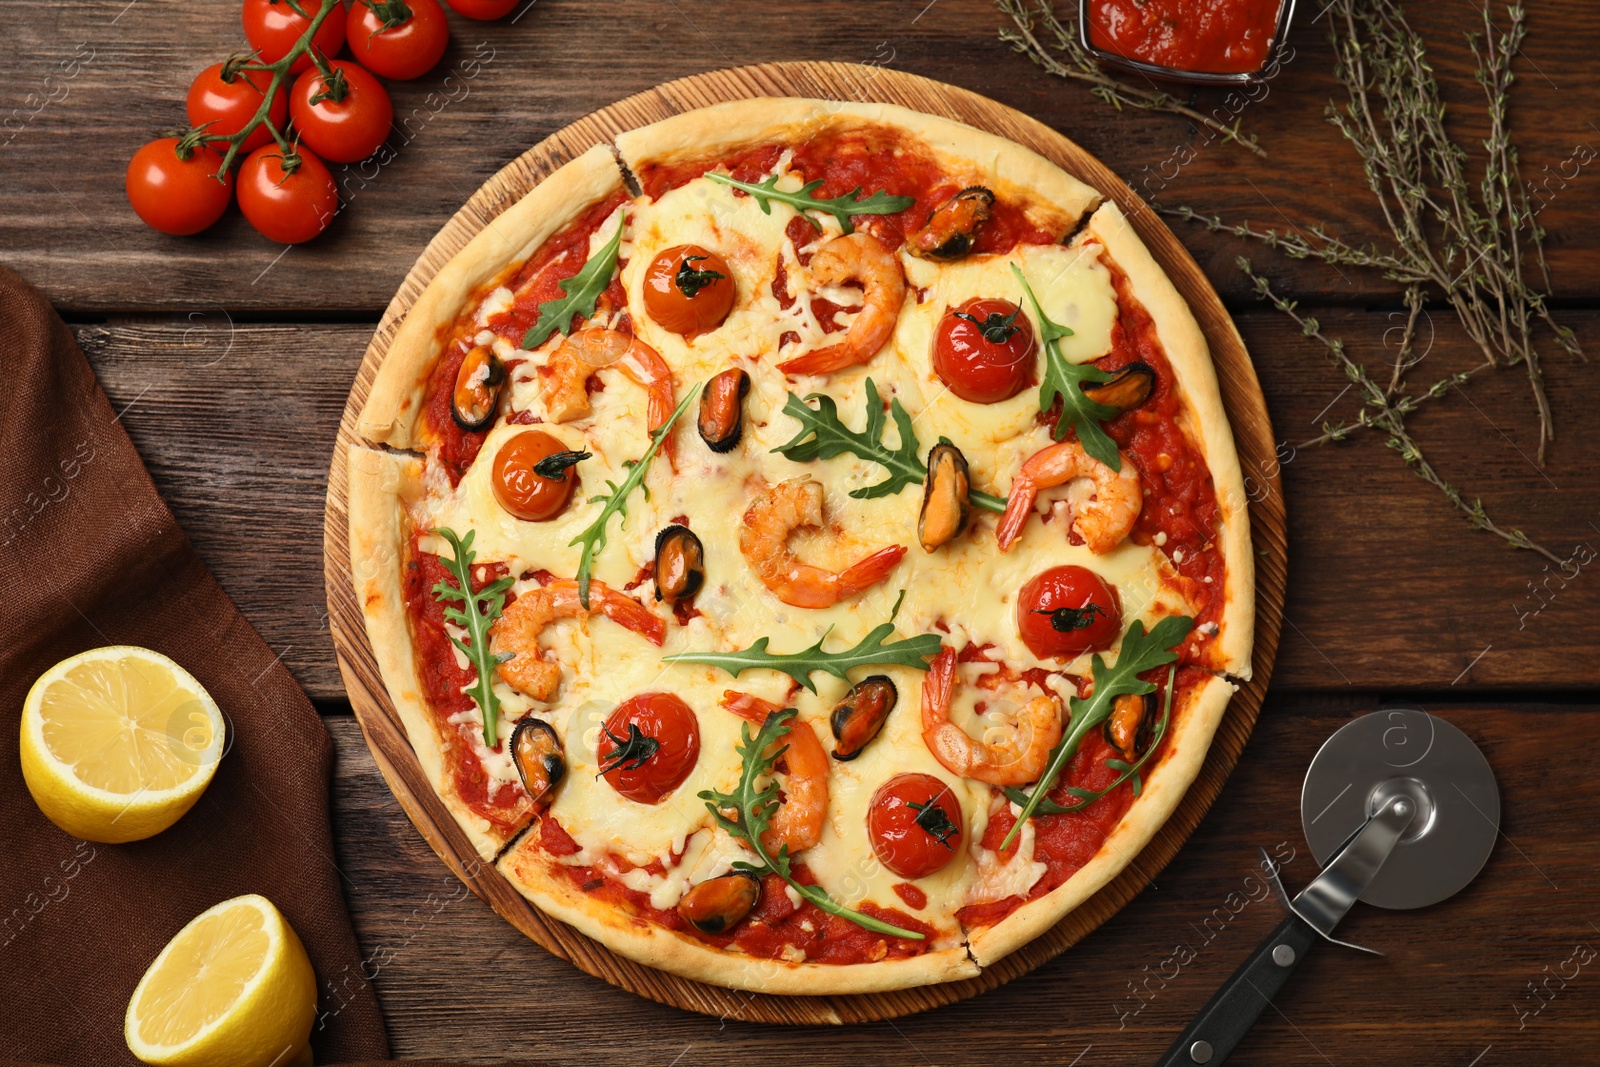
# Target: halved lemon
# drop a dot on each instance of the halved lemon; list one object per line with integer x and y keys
{"x": 119, "y": 742}
{"x": 233, "y": 987}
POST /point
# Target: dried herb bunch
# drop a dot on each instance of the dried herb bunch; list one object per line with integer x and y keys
{"x": 1466, "y": 245}
{"x": 1065, "y": 57}
{"x": 1385, "y": 409}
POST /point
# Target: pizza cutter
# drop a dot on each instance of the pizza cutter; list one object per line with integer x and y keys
{"x": 1402, "y": 811}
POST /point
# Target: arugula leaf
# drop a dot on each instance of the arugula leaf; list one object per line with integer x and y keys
{"x": 1085, "y": 797}
{"x": 824, "y": 435}
{"x": 593, "y": 537}
{"x": 840, "y": 207}
{"x": 475, "y": 612}
{"x": 754, "y": 807}
{"x": 580, "y": 293}
{"x": 912, "y": 652}
{"x": 1064, "y": 381}
{"x": 1140, "y": 652}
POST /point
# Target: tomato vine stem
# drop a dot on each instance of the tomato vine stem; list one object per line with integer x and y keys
{"x": 280, "y": 70}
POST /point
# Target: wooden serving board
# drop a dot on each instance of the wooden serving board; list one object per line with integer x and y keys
{"x": 1241, "y": 395}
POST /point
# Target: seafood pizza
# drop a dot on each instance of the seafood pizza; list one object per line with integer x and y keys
{"x": 804, "y": 545}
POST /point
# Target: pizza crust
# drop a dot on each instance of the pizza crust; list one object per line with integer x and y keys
{"x": 525, "y": 867}
{"x": 1056, "y": 199}
{"x": 1186, "y": 350}
{"x": 389, "y": 416}
{"x": 378, "y": 487}
{"x": 1196, "y": 722}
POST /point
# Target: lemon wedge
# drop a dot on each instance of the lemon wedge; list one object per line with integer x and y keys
{"x": 233, "y": 987}
{"x": 119, "y": 742}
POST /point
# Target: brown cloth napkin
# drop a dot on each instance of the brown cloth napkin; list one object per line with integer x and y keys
{"x": 90, "y": 556}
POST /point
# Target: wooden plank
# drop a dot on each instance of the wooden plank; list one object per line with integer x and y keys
{"x": 87, "y": 74}
{"x": 1387, "y": 587}
{"x": 458, "y": 983}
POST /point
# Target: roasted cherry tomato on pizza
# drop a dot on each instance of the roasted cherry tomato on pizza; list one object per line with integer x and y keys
{"x": 289, "y": 199}
{"x": 399, "y": 39}
{"x": 344, "y": 119}
{"x": 224, "y": 101}
{"x": 1068, "y": 610}
{"x": 273, "y": 27}
{"x": 984, "y": 351}
{"x": 484, "y": 10}
{"x": 915, "y": 825}
{"x": 533, "y": 475}
{"x": 174, "y": 188}
{"x": 648, "y": 746}
{"x": 688, "y": 290}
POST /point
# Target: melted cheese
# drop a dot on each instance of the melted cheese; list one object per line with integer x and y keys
{"x": 967, "y": 587}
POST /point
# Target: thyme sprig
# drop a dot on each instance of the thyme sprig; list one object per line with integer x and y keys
{"x": 593, "y": 537}
{"x": 1140, "y": 652}
{"x": 1468, "y": 247}
{"x": 1085, "y": 797}
{"x": 1065, "y": 57}
{"x": 474, "y": 611}
{"x": 824, "y": 435}
{"x": 1386, "y": 412}
{"x": 805, "y": 200}
{"x": 913, "y": 652}
{"x": 754, "y": 802}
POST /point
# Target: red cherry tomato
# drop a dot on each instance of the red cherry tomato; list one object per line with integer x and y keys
{"x": 228, "y": 106}
{"x": 650, "y": 745}
{"x": 399, "y": 39}
{"x": 484, "y": 10}
{"x": 983, "y": 350}
{"x": 688, "y": 290}
{"x": 176, "y": 195}
{"x": 915, "y": 826}
{"x": 346, "y": 130}
{"x": 288, "y": 207}
{"x": 272, "y": 27}
{"x": 1067, "y": 610}
{"x": 523, "y": 491}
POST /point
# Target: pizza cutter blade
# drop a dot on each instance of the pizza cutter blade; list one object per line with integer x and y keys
{"x": 1402, "y": 810}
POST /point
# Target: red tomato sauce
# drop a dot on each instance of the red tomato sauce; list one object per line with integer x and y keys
{"x": 1182, "y": 504}
{"x": 874, "y": 158}
{"x": 537, "y": 280}
{"x": 1065, "y": 843}
{"x": 775, "y": 925}
{"x": 1210, "y": 36}
{"x": 442, "y": 681}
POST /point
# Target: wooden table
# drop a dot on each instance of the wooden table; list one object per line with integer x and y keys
{"x": 231, "y": 357}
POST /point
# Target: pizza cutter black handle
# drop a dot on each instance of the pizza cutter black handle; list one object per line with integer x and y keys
{"x": 1234, "y": 1008}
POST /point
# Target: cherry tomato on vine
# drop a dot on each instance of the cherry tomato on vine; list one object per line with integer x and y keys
{"x": 399, "y": 39}
{"x": 272, "y": 27}
{"x": 289, "y": 201}
{"x": 484, "y": 10}
{"x": 520, "y": 488}
{"x": 649, "y": 745}
{"x": 228, "y": 106}
{"x": 1067, "y": 610}
{"x": 351, "y": 118}
{"x": 172, "y": 187}
{"x": 983, "y": 350}
{"x": 914, "y": 824}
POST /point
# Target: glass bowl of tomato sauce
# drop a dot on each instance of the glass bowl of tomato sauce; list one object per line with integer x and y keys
{"x": 1207, "y": 42}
